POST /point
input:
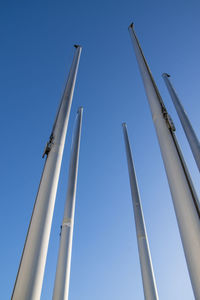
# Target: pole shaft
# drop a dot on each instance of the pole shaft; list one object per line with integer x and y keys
{"x": 61, "y": 284}
{"x": 30, "y": 275}
{"x": 187, "y": 127}
{"x": 186, "y": 212}
{"x": 149, "y": 284}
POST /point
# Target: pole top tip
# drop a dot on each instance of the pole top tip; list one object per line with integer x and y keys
{"x": 124, "y": 124}
{"x": 165, "y": 74}
{"x": 131, "y": 26}
{"x": 77, "y": 46}
{"x": 80, "y": 109}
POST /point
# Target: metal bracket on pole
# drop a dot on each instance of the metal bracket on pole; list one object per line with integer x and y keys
{"x": 48, "y": 146}
{"x": 168, "y": 119}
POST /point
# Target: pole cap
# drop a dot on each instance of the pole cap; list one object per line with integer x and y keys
{"x": 165, "y": 74}
{"x": 124, "y": 124}
{"x": 131, "y": 26}
{"x": 77, "y": 46}
{"x": 80, "y": 109}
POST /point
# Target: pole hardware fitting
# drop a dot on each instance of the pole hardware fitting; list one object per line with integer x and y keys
{"x": 168, "y": 119}
{"x": 165, "y": 74}
{"x": 60, "y": 230}
{"x": 48, "y": 146}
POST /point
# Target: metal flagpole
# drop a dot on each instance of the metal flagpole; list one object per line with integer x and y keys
{"x": 61, "y": 284}
{"x": 149, "y": 284}
{"x": 189, "y": 131}
{"x": 183, "y": 199}
{"x": 28, "y": 284}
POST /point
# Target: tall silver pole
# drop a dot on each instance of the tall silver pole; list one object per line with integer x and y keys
{"x": 187, "y": 127}
{"x": 61, "y": 285}
{"x": 29, "y": 279}
{"x": 149, "y": 284}
{"x": 183, "y": 200}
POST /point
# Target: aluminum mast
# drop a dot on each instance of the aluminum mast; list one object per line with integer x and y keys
{"x": 187, "y": 127}
{"x": 28, "y": 284}
{"x": 184, "y": 203}
{"x": 61, "y": 284}
{"x": 149, "y": 284}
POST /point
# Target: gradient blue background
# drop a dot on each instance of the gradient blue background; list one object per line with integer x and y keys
{"x": 36, "y": 41}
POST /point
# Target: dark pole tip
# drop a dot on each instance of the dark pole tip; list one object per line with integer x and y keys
{"x": 80, "y": 109}
{"x": 76, "y": 46}
{"x": 124, "y": 124}
{"x": 131, "y": 25}
{"x": 165, "y": 74}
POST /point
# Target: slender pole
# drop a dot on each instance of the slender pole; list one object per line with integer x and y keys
{"x": 184, "y": 203}
{"x": 30, "y": 275}
{"x": 149, "y": 284}
{"x": 187, "y": 127}
{"x": 61, "y": 284}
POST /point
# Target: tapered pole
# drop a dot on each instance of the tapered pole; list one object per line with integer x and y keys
{"x": 61, "y": 284}
{"x": 183, "y": 200}
{"x": 149, "y": 284}
{"x": 187, "y": 127}
{"x": 29, "y": 279}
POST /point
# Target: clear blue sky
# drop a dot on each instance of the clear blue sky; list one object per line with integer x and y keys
{"x": 37, "y": 40}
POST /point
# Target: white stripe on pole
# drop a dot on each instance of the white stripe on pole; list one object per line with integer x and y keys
{"x": 61, "y": 284}
{"x": 149, "y": 284}
{"x": 187, "y": 127}
{"x": 184, "y": 203}
{"x": 30, "y": 275}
